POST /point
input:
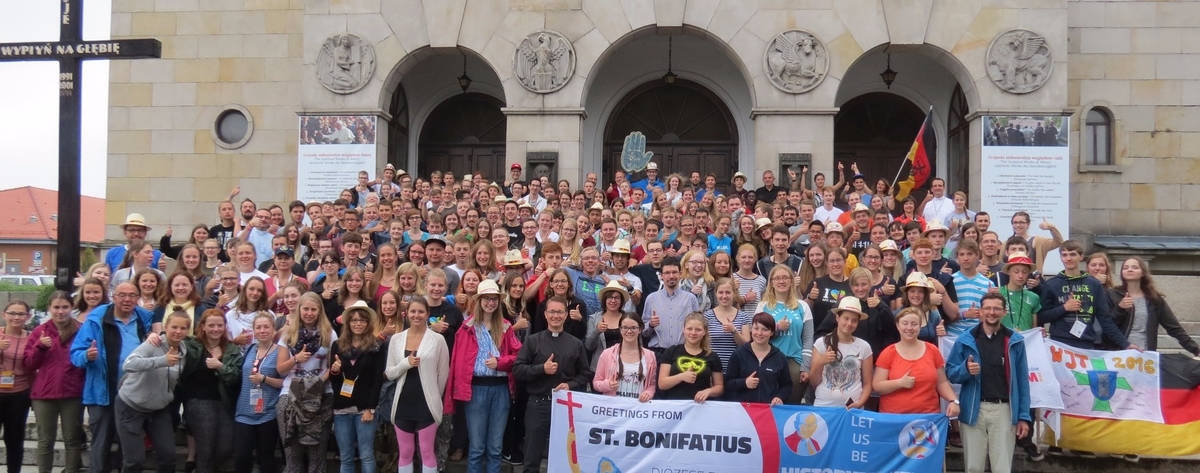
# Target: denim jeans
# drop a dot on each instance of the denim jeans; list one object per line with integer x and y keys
{"x": 487, "y": 415}
{"x": 351, "y": 432}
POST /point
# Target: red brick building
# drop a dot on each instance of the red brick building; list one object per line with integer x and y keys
{"x": 29, "y": 229}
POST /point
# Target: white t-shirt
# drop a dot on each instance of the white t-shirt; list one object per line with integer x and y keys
{"x": 630, "y": 385}
{"x": 246, "y": 276}
{"x": 238, "y": 322}
{"x": 824, "y": 215}
{"x": 313, "y": 367}
{"x": 937, "y": 209}
{"x": 841, "y": 380}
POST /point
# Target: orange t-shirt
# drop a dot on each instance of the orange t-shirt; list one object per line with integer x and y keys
{"x": 923, "y": 397}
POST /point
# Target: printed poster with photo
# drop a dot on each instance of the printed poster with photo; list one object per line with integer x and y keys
{"x": 1026, "y": 167}
{"x": 332, "y": 150}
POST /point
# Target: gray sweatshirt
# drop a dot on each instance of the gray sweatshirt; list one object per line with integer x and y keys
{"x": 149, "y": 384}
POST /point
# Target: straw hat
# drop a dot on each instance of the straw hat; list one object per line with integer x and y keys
{"x": 834, "y": 227}
{"x": 889, "y": 245}
{"x": 1018, "y": 258}
{"x": 514, "y": 258}
{"x": 760, "y": 223}
{"x": 850, "y": 304}
{"x": 935, "y": 226}
{"x": 621, "y": 246}
{"x": 358, "y": 305}
{"x": 135, "y": 219}
{"x": 613, "y": 286}
{"x": 500, "y": 199}
{"x": 918, "y": 279}
{"x": 860, "y": 207}
{"x": 487, "y": 287}
{"x": 596, "y": 206}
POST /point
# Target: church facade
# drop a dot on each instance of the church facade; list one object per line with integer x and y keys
{"x": 717, "y": 86}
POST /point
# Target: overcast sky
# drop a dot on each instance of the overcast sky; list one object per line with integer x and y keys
{"x": 29, "y": 100}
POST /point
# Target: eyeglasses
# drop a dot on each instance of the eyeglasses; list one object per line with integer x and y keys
{"x": 124, "y": 296}
{"x": 16, "y": 314}
{"x": 781, "y": 279}
{"x": 629, "y": 329}
{"x": 329, "y": 262}
{"x": 230, "y": 279}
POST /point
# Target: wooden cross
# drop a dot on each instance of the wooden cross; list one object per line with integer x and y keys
{"x": 69, "y": 51}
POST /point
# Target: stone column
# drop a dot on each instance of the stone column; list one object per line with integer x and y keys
{"x": 793, "y": 131}
{"x": 542, "y": 130}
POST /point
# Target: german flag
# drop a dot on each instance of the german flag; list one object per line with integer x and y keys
{"x": 1179, "y": 394}
{"x": 924, "y": 146}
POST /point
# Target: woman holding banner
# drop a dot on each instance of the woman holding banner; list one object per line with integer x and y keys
{"x": 758, "y": 371}
{"x": 911, "y": 375}
{"x": 626, "y": 368}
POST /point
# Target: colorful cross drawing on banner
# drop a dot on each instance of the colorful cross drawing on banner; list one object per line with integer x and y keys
{"x": 1103, "y": 383}
{"x": 572, "y": 452}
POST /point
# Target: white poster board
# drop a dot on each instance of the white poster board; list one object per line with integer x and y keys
{"x": 332, "y": 150}
{"x": 1026, "y": 167}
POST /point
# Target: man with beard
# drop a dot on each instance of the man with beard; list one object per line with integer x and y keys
{"x": 666, "y": 308}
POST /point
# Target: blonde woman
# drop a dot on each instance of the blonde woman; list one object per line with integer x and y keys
{"x": 419, "y": 361}
{"x": 793, "y": 334}
{"x": 307, "y": 337}
{"x": 409, "y": 283}
{"x": 696, "y": 278}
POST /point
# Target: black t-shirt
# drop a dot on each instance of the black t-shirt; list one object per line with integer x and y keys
{"x": 452, "y": 315}
{"x": 937, "y": 265}
{"x": 762, "y": 194}
{"x": 704, "y": 365}
{"x": 222, "y": 233}
{"x": 830, "y": 292}
{"x": 992, "y": 351}
{"x": 857, "y": 246}
{"x": 515, "y": 238}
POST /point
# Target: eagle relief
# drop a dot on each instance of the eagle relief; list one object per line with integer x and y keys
{"x": 345, "y": 63}
{"x": 796, "y": 61}
{"x": 1019, "y": 61}
{"x": 544, "y": 62}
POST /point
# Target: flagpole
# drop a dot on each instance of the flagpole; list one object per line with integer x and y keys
{"x": 897, "y": 178}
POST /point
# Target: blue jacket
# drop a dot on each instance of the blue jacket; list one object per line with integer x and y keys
{"x": 646, "y": 186}
{"x": 99, "y": 388}
{"x": 1018, "y": 376}
{"x": 115, "y": 255}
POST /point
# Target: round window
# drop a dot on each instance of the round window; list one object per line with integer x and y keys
{"x": 233, "y": 127}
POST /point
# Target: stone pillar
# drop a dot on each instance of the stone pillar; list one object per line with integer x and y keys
{"x": 546, "y": 130}
{"x": 793, "y": 131}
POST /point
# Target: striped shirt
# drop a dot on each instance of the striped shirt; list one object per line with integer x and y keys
{"x": 723, "y": 343}
{"x": 758, "y": 284}
{"x": 970, "y": 293}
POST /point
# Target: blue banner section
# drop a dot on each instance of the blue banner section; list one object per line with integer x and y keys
{"x": 819, "y": 439}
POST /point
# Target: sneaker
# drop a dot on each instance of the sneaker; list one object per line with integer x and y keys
{"x": 1085, "y": 454}
{"x": 513, "y": 459}
{"x": 1054, "y": 450}
{"x": 1131, "y": 458}
{"x": 1035, "y": 454}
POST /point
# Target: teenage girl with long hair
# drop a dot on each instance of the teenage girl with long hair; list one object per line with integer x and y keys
{"x": 627, "y": 369}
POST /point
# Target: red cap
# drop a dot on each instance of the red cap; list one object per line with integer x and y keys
{"x": 515, "y": 166}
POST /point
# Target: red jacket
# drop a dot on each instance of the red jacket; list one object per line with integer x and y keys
{"x": 462, "y": 362}
{"x": 56, "y": 377}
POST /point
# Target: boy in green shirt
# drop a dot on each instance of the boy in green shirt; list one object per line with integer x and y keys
{"x": 1023, "y": 304}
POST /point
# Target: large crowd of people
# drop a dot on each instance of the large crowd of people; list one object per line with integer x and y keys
{"x": 441, "y": 313}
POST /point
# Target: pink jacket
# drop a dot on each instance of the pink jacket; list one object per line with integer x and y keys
{"x": 56, "y": 377}
{"x": 606, "y": 370}
{"x": 462, "y": 362}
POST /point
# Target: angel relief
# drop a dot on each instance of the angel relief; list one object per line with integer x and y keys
{"x": 345, "y": 63}
{"x": 796, "y": 61}
{"x": 1019, "y": 61}
{"x": 544, "y": 62}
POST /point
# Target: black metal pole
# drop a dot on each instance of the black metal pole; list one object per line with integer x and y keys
{"x": 69, "y": 129}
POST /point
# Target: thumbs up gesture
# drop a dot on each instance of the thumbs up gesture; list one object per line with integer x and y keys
{"x": 45, "y": 341}
{"x": 550, "y": 367}
{"x": 752, "y": 381}
{"x": 941, "y": 328}
{"x": 908, "y": 381}
{"x": 972, "y": 312}
{"x": 654, "y": 320}
{"x": 336, "y": 367}
{"x": 750, "y": 297}
{"x": 172, "y": 356}
{"x": 414, "y": 361}
{"x": 1073, "y": 304}
{"x": 972, "y": 366}
{"x": 304, "y": 355}
{"x": 93, "y": 352}
{"x": 1126, "y": 302}
{"x": 814, "y": 293}
{"x": 874, "y": 300}
{"x": 783, "y": 325}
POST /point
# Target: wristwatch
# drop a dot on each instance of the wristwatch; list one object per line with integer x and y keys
{"x": 956, "y": 402}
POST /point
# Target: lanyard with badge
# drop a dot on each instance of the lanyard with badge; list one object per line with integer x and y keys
{"x": 256, "y": 392}
{"x": 8, "y": 377}
{"x": 347, "y": 383}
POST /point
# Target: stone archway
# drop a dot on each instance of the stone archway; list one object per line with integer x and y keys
{"x": 875, "y": 130}
{"x": 686, "y": 126}
{"x": 464, "y": 135}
